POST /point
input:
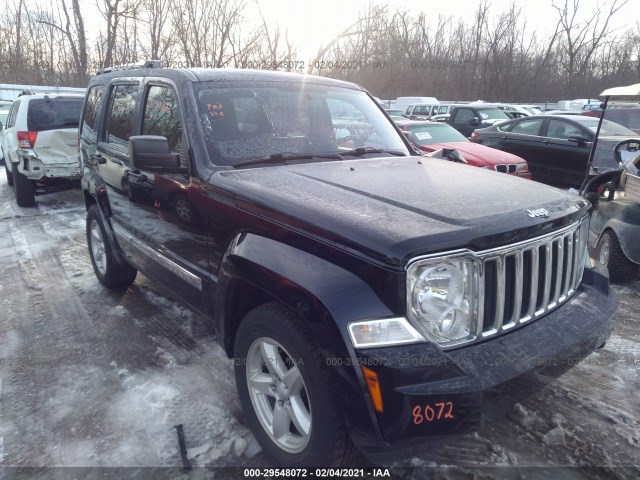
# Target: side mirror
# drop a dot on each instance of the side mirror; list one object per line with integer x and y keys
{"x": 579, "y": 139}
{"x": 475, "y": 121}
{"x": 1, "y": 127}
{"x": 151, "y": 153}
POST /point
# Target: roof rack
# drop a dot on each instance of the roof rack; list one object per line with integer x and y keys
{"x": 132, "y": 66}
{"x": 26, "y": 91}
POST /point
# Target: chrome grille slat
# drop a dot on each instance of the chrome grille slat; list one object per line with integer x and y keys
{"x": 546, "y": 289}
{"x": 568, "y": 278}
{"x": 517, "y": 301}
{"x": 559, "y": 271}
{"x": 533, "y": 295}
{"x": 500, "y": 264}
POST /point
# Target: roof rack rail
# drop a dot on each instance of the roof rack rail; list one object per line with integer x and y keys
{"x": 131, "y": 66}
{"x": 26, "y": 91}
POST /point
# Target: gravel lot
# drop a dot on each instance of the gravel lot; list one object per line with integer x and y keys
{"x": 93, "y": 378}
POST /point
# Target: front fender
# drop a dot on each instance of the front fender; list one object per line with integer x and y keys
{"x": 326, "y": 296}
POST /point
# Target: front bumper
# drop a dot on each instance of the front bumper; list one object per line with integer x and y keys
{"x": 429, "y": 394}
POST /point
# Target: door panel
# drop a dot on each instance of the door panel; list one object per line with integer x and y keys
{"x": 164, "y": 208}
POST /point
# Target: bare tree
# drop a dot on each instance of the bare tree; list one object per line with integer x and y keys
{"x": 582, "y": 37}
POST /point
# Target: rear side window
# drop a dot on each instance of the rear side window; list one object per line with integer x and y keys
{"x": 122, "y": 109}
{"x": 90, "y": 114}
{"x": 162, "y": 117}
{"x": 13, "y": 114}
{"x": 527, "y": 127}
{"x": 53, "y": 113}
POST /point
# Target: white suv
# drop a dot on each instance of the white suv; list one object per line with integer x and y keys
{"x": 40, "y": 144}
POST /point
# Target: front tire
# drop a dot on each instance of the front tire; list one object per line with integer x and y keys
{"x": 286, "y": 391}
{"x": 610, "y": 254}
{"x": 24, "y": 189}
{"x": 111, "y": 272}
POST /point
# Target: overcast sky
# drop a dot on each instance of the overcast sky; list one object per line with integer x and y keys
{"x": 311, "y": 22}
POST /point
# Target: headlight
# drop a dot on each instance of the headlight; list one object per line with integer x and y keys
{"x": 522, "y": 166}
{"x": 488, "y": 167}
{"x": 383, "y": 333}
{"x": 443, "y": 298}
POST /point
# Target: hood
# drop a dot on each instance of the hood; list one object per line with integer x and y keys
{"x": 476, "y": 154}
{"x": 393, "y": 209}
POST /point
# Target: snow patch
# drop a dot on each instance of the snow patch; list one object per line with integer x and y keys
{"x": 197, "y": 451}
{"x": 555, "y": 436}
{"x": 119, "y": 311}
{"x": 20, "y": 242}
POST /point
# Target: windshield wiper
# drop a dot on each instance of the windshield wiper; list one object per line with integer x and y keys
{"x": 361, "y": 151}
{"x": 284, "y": 156}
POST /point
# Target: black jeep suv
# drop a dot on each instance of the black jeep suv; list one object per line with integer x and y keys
{"x": 368, "y": 304}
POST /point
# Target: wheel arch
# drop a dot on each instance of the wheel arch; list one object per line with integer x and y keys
{"x": 257, "y": 270}
{"x": 266, "y": 269}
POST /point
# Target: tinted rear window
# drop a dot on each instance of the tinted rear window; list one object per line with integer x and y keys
{"x": 53, "y": 113}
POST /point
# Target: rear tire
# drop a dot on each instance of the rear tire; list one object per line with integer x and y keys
{"x": 288, "y": 396}
{"x": 9, "y": 175}
{"x": 610, "y": 254}
{"x": 111, "y": 272}
{"x": 24, "y": 189}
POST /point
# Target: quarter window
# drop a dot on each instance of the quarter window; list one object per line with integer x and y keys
{"x": 13, "y": 114}
{"x": 90, "y": 114}
{"x": 527, "y": 127}
{"x": 122, "y": 114}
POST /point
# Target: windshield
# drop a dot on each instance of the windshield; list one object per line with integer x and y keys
{"x": 627, "y": 117}
{"x": 266, "y": 119}
{"x": 428, "y": 134}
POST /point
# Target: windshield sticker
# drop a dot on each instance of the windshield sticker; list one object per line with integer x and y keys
{"x": 215, "y": 109}
{"x": 423, "y": 135}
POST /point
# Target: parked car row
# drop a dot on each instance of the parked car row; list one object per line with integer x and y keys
{"x": 556, "y": 147}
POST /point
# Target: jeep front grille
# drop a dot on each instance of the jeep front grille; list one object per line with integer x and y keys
{"x": 527, "y": 280}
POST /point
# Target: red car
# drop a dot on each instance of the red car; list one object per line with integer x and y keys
{"x": 431, "y": 136}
